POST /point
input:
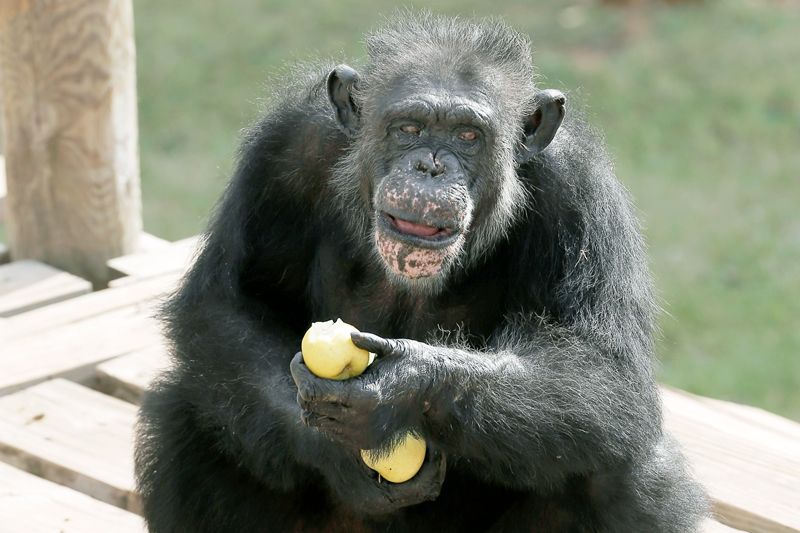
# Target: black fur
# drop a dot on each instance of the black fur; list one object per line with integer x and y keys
{"x": 526, "y": 365}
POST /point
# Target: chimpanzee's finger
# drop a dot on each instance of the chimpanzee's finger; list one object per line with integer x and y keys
{"x": 310, "y": 388}
{"x": 373, "y": 343}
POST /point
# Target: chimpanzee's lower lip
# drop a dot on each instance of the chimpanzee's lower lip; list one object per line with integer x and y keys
{"x": 441, "y": 239}
{"x": 416, "y": 229}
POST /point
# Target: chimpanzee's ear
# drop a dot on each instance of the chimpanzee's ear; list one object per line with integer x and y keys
{"x": 541, "y": 126}
{"x": 341, "y": 82}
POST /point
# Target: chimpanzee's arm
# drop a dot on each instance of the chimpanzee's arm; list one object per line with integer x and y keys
{"x": 542, "y": 405}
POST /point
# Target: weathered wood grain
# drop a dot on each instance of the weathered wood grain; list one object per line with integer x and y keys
{"x": 128, "y": 376}
{"x": 26, "y": 285}
{"x": 175, "y": 258}
{"x": 748, "y": 460}
{"x": 74, "y": 436}
{"x": 75, "y": 350}
{"x": 71, "y": 139}
{"x": 31, "y": 504}
{"x": 52, "y": 318}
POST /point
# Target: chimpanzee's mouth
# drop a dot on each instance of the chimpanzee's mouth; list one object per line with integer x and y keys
{"x": 415, "y": 231}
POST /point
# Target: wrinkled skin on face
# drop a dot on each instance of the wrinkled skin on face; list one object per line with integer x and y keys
{"x": 423, "y": 206}
{"x": 409, "y": 260}
{"x": 422, "y": 213}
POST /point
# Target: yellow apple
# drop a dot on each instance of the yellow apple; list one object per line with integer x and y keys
{"x": 402, "y": 463}
{"x": 329, "y": 353}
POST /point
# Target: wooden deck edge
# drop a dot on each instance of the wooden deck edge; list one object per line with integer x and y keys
{"x": 73, "y": 436}
{"x": 31, "y": 504}
{"x": 28, "y": 284}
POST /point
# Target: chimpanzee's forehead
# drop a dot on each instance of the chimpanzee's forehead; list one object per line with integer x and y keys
{"x": 442, "y": 105}
{"x": 443, "y": 98}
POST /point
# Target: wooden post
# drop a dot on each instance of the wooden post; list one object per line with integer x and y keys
{"x": 68, "y": 84}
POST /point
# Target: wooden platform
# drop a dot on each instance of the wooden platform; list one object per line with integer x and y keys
{"x": 26, "y": 285}
{"x": 73, "y": 367}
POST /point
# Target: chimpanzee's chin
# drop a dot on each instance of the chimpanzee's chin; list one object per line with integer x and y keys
{"x": 409, "y": 259}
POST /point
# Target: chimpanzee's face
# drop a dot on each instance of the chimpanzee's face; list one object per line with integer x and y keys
{"x": 434, "y": 157}
{"x": 434, "y": 142}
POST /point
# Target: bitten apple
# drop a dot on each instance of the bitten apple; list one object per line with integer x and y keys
{"x": 329, "y": 353}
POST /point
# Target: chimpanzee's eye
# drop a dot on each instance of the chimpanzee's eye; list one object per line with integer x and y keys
{"x": 468, "y": 135}
{"x": 411, "y": 129}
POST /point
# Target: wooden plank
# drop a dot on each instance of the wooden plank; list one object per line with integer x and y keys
{"x": 147, "y": 243}
{"x": 750, "y": 415}
{"x": 128, "y": 376}
{"x": 712, "y": 526}
{"x": 74, "y": 436}
{"x": 748, "y": 461}
{"x": 63, "y": 314}
{"x": 71, "y": 135}
{"x": 75, "y": 350}
{"x": 151, "y": 243}
{"x": 31, "y": 504}
{"x": 26, "y": 285}
{"x": 175, "y": 259}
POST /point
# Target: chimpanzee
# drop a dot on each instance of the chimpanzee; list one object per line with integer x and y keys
{"x": 491, "y": 260}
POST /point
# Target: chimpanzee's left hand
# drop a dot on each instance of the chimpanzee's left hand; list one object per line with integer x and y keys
{"x": 365, "y": 411}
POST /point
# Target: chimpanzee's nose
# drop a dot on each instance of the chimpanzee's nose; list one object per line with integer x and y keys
{"x": 429, "y": 164}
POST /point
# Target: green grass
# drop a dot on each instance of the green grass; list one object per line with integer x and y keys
{"x": 700, "y": 106}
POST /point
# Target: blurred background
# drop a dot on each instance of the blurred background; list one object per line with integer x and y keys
{"x": 699, "y": 102}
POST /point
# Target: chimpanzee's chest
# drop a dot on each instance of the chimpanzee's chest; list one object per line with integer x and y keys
{"x": 358, "y": 292}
